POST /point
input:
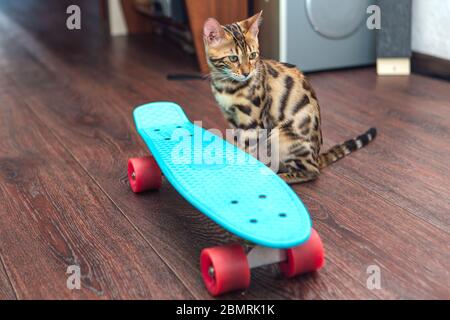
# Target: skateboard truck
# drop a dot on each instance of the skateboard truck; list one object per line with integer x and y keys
{"x": 262, "y": 256}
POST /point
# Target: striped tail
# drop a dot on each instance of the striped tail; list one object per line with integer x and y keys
{"x": 341, "y": 150}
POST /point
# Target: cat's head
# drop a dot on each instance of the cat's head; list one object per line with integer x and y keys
{"x": 232, "y": 51}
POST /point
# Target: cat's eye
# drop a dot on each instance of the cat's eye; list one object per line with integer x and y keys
{"x": 253, "y": 55}
{"x": 233, "y": 58}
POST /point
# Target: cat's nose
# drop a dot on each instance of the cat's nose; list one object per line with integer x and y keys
{"x": 245, "y": 74}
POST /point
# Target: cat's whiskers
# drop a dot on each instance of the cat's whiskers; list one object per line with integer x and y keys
{"x": 219, "y": 76}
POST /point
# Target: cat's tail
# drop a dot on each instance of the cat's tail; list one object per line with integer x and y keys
{"x": 341, "y": 150}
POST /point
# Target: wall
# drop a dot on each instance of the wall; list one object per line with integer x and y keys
{"x": 431, "y": 27}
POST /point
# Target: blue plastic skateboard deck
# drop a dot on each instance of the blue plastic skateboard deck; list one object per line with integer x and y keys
{"x": 226, "y": 184}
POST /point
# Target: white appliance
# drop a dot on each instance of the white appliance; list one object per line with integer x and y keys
{"x": 317, "y": 34}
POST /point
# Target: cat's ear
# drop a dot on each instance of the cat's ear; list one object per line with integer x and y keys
{"x": 213, "y": 32}
{"x": 253, "y": 24}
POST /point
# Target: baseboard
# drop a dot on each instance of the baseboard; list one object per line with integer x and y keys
{"x": 430, "y": 66}
{"x": 393, "y": 66}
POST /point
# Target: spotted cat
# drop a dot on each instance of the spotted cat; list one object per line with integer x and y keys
{"x": 256, "y": 94}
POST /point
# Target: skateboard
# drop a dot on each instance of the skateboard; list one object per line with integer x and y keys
{"x": 233, "y": 189}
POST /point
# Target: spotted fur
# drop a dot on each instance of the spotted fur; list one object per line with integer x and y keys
{"x": 264, "y": 94}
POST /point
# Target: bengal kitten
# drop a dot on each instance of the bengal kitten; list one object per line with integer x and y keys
{"x": 258, "y": 94}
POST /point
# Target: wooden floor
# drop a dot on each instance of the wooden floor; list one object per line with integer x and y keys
{"x": 66, "y": 133}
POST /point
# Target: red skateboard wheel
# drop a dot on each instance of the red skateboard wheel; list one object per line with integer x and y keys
{"x": 144, "y": 174}
{"x": 225, "y": 269}
{"x": 307, "y": 257}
